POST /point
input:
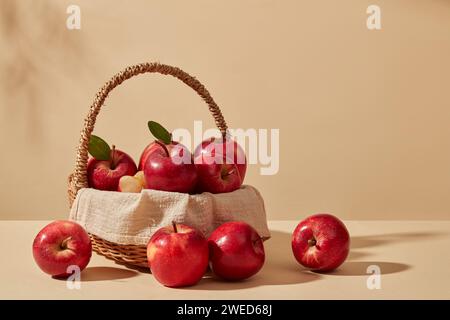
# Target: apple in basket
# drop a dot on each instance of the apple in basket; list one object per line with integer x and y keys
{"x": 221, "y": 165}
{"x": 236, "y": 251}
{"x": 107, "y": 165}
{"x": 60, "y": 245}
{"x": 321, "y": 242}
{"x": 178, "y": 255}
{"x": 132, "y": 183}
{"x": 168, "y": 164}
{"x": 153, "y": 146}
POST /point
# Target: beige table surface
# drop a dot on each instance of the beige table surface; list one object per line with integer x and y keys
{"x": 414, "y": 258}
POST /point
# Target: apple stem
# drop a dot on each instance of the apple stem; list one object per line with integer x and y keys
{"x": 174, "y": 225}
{"x": 258, "y": 239}
{"x": 226, "y": 174}
{"x": 113, "y": 152}
{"x": 162, "y": 144}
{"x": 312, "y": 242}
{"x": 63, "y": 244}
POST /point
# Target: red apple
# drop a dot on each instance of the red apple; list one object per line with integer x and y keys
{"x": 59, "y": 245}
{"x": 178, "y": 255}
{"x": 221, "y": 165}
{"x": 321, "y": 242}
{"x": 105, "y": 174}
{"x": 147, "y": 151}
{"x": 169, "y": 168}
{"x": 236, "y": 251}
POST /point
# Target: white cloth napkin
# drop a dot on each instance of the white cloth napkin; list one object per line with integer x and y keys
{"x": 132, "y": 218}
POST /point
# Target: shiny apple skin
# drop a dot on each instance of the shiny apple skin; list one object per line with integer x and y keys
{"x": 229, "y": 149}
{"x": 149, "y": 149}
{"x": 101, "y": 176}
{"x": 178, "y": 259}
{"x": 224, "y": 175}
{"x": 332, "y": 242}
{"x": 217, "y": 178}
{"x": 236, "y": 251}
{"x": 52, "y": 258}
{"x": 163, "y": 173}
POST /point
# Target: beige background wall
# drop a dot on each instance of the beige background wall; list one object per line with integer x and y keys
{"x": 363, "y": 115}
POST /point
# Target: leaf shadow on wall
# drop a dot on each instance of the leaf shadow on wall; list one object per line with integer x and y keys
{"x": 37, "y": 47}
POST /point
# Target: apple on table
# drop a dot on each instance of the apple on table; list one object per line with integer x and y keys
{"x": 59, "y": 245}
{"x": 321, "y": 242}
{"x": 178, "y": 255}
{"x": 236, "y": 251}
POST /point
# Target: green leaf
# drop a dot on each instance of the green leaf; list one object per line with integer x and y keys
{"x": 99, "y": 149}
{"x": 159, "y": 132}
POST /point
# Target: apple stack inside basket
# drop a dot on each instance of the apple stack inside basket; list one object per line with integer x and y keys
{"x": 134, "y": 252}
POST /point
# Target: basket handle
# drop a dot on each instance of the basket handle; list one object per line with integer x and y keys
{"x": 78, "y": 179}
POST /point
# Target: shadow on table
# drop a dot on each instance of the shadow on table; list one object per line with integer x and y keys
{"x": 382, "y": 239}
{"x": 359, "y": 268}
{"x": 280, "y": 269}
{"x": 133, "y": 267}
{"x": 103, "y": 274}
{"x": 356, "y": 255}
{"x": 106, "y": 273}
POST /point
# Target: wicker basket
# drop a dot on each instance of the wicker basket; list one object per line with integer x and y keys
{"x": 134, "y": 255}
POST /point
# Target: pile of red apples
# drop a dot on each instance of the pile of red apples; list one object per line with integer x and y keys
{"x": 217, "y": 165}
{"x": 179, "y": 255}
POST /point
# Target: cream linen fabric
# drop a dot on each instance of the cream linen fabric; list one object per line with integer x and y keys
{"x": 131, "y": 218}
